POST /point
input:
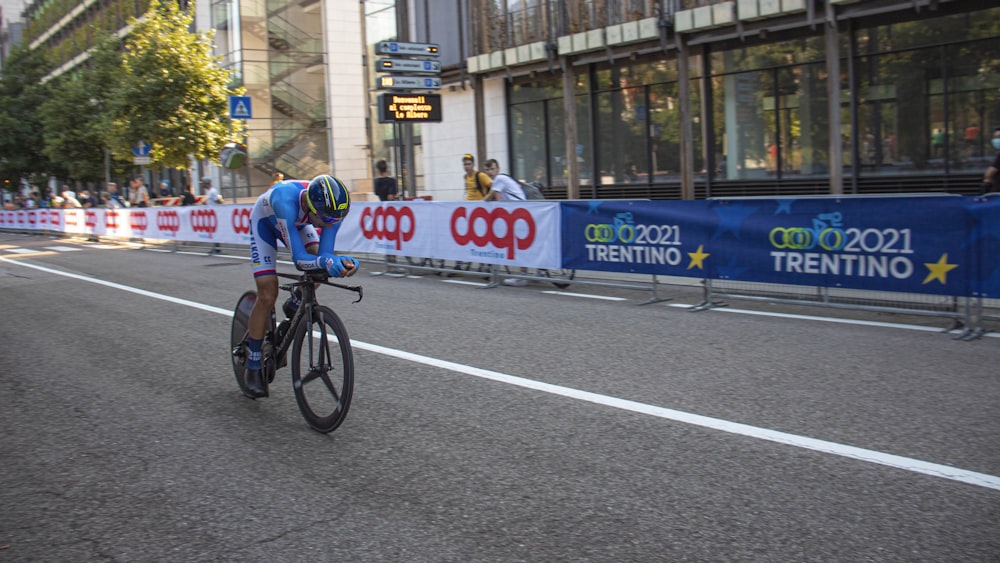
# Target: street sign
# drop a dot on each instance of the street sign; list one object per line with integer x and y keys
{"x": 141, "y": 148}
{"x": 408, "y": 83}
{"x": 403, "y": 108}
{"x": 407, "y": 65}
{"x": 398, "y": 48}
{"x": 239, "y": 107}
{"x": 142, "y": 160}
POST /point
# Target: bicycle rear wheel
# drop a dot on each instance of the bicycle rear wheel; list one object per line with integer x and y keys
{"x": 238, "y": 338}
{"x": 322, "y": 370}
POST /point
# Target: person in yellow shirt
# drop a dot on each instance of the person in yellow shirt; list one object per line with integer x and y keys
{"x": 477, "y": 184}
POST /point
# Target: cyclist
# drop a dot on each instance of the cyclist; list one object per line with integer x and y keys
{"x": 292, "y": 210}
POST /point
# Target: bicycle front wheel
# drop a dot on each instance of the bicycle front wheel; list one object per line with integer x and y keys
{"x": 322, "y": 370}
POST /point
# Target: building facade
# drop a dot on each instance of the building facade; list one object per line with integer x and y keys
{"x": 610, "y": 98}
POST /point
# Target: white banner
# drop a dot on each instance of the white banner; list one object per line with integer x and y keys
{"x": 505, "y": 233}
{"x": 508, "y": 233}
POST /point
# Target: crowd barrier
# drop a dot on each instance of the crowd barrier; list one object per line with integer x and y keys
{"x": 937, "y": 245}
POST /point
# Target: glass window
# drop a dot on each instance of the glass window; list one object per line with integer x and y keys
{"x": 529, "y": 141}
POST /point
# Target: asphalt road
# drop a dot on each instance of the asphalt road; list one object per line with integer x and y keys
{"x": 505, "y": 424}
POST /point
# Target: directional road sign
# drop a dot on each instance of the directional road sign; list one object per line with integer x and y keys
{"x": 408, "y": 83}
{"x": 412, "y": 49}
{"x": 407, "y": 65}
{"x": 239, "y": 107}
{"x": 141, "y": 148}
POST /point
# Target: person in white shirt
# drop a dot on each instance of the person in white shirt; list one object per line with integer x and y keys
{"x": 212, "y": 198}
{"x": 69, "y": 199}
{"x": 504, "y": 187}
{"x": 212, "y": 193}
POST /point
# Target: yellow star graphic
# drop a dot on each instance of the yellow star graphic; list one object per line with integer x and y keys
{"x": 698, "y": 258}
{"x": 939, "y": 270}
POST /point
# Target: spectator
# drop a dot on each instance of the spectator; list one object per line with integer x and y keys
{"x": 113, "y": 193}
{"x": 213, "y": 198}
{"x": 278, "y": 177}
{"x": 138, "y": 192}
{"x": 212, "y": 193}
{"x": 87, "y": 199}
{"x": 108, "y": 201}
{"x": 385, "y": 185}
{"x": 504, "y": 188}
{"x": 477, "y": 184}
{"x": 69, "y": 199}
{"x": 188, "y": 197}
{"x": 165, "y": 190}
{"x": 991, "y": 176}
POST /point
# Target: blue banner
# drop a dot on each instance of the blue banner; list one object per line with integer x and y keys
{"x": 907, "y": 244}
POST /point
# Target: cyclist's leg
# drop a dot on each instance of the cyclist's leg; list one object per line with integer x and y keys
{"x": 263, "y": 253}
{"x": 263, "y": 259}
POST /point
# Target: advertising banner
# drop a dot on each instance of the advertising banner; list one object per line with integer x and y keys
{"x": 908, "y": 244}
{"x": 215, "y": 223}
{"x": 504, "y": 233}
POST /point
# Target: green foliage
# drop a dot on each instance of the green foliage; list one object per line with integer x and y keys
{"x": 21, "y": 94}
{"x": 74, "y": 117}
{"x": 173, "y": 93}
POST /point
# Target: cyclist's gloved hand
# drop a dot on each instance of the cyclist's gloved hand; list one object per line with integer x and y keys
{"x": 339, "y": 266}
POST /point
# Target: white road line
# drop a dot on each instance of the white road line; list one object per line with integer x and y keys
{"x": 587, "y": 295}
{"x": 22, "y": 250}
{"x": 63, "y": 248}
{"x": 833, "y": 448}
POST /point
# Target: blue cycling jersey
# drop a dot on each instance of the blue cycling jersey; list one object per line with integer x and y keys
{"x": 278, "y": 215}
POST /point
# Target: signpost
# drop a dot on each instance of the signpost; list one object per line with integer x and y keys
{"x": 141, "y": 153}
{"x": 408, "y": 83}
{"x": 407, "y": 65}
{"x": 410, "y": 66}
{"x": 401, "y": 48}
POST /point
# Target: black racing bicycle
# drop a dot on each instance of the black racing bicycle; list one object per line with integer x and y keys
{"x": 322, "y": 359}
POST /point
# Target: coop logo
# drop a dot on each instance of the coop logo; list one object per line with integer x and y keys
{"x": 111, "y": 219}
{"x": 168, "y": 222}
{"x": 241, "y": 221}
{"x": 90, "y": 219}
{"x": 54, "y": 218}
{"x": 480, "y": 227}
{"x": 43, "y": 217}
{"x": 204, "y": 221}
{"x": 139, "y": 221}
{"x": 394, "y": 224}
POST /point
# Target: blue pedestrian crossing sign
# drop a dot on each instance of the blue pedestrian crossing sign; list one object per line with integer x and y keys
{"x": 239, "y": 107}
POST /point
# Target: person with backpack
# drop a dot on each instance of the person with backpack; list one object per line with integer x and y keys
{"x": 504, "y": 187}
{"x": 477, "y": 184}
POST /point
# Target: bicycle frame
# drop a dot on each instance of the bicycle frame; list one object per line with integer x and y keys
{"x": 307, "y": 282}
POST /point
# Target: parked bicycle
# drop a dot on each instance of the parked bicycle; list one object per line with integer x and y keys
{"x": 321, "y": 355}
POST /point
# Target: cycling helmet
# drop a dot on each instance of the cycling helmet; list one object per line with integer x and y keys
{"x": 328, "y": 198}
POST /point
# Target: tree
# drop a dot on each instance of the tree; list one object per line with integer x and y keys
{"x": 77, "y": 138}
{"x": 21, "y": 144}
{"x": 173, "y": 93}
